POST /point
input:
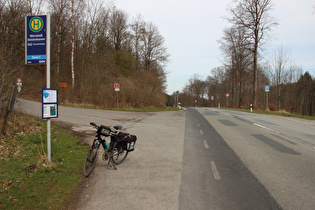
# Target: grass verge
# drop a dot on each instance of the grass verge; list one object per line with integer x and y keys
{"x": 279, "y": 113}
{"x": 27, "y": 180}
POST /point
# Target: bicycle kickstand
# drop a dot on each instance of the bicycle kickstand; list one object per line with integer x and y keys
{"x": 111, "y": 164}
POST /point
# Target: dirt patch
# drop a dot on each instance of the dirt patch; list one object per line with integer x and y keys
{"x": 72, "y": 201}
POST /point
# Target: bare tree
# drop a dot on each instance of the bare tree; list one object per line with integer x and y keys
{"x": 118, "y": 28}
{"x": 137, "y": 29}
{"x": 235, "y": 48}
{"x": 253, "y": 16}
{"x": 35, "y": 6}
{"x": 294, "y": 73}
{"x": 94, "y": 41}
{"x": 12, "y": 22}
{"x": 197, "y": 86}
{"x": 278, "y": 69}
{"x": 60, "y": 11}
{"x": 153, "y": 51}
{"x": 76, "y": 11}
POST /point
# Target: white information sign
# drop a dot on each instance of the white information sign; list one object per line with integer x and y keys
{"x": 49, "y": 103}
{"x": 50, "y": 96}
{"x": 50, "y": 111}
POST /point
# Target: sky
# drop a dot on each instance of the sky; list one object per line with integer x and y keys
{"x": 192, "y": 29}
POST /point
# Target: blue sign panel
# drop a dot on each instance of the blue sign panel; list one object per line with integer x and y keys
{"x": 267, "y": 88}
{"x": 35, "y": 39}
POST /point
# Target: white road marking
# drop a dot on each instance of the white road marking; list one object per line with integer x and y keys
{"x": 198, "y": 124}
{"x": 266, "y": 128}
{"x": 215, "y": 172}
{"x": 201, "y": 132}
{"x": 206, "y": 144}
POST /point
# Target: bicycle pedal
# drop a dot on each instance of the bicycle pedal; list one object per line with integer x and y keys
{"x": 105, "y": 156}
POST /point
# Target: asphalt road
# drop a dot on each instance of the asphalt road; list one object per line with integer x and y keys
{"x": 279, "y": 151}
{"x": 202, "y": 158}
{"x": 213, "y": 177}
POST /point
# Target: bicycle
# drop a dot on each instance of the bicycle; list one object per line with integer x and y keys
{"x": 117, "y": 150}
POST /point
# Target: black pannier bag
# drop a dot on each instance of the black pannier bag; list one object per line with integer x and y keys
{"x": 130, "y": 142}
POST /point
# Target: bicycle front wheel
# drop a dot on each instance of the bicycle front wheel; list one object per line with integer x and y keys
{"x": 118, "y": 153}
{"x": 90, "y": 161}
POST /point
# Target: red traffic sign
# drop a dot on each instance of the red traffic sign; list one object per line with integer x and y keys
{"x": 227, "y": 95}
{"x": 116, "y": 86}
{"x": 19, "y": 80}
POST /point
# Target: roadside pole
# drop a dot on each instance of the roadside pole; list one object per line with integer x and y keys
{"x": 48, "y": 86}
{"x": 267, "y": 91}
{"x": 117, "y": 99}
{"x": 37, "y": 51}
{"x": 117, "y": 86}
{"x": 8, "y": 109}
{"x": 227, "y": 99}
{"x": 267, "y": 106}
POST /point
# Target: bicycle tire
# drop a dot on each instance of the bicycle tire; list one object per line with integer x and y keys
{"x": 90, "y": 161}
{"x": 118, "y": 153}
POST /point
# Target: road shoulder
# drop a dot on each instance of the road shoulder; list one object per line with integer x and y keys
{"x": 150, "y": 176}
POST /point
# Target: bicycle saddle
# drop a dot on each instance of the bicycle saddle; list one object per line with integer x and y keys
{"x": 118, "y": 127}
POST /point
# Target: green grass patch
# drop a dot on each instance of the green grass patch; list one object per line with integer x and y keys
{"x": 27, "y": 180}
{"x": 278, "y": 113}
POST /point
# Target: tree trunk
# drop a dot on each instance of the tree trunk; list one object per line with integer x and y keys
{"x": 72, "y": 43}
{"x": 255, "y": 81}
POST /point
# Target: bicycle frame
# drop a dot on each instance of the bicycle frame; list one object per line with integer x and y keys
{"x": 112, "y": 152}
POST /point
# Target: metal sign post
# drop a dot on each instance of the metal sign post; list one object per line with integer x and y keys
{"x": 227, "y": 99}
{"x": 37, "y": 51}
{"x": 116, "y": 86}
{"x": 212, "y": 99}
{"x": 177, "y": 94}
{"x": 267, "y": 91}
{"x": 48, "y": 86}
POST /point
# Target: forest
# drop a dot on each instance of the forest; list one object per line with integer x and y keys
{"x": 93, "y": 46}
{"x": 240, "y": 81}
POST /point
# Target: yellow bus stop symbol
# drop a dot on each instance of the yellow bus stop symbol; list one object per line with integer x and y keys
{"x": 36, "y": 24}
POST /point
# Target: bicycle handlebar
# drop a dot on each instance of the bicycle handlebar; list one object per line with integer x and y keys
{"x": 117, "y": 128}
{"x": 93, "y": 124}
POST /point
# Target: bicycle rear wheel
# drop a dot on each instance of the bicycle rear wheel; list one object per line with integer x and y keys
{"x": 118, "y": 153}
{"x": 90, "y": 161}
